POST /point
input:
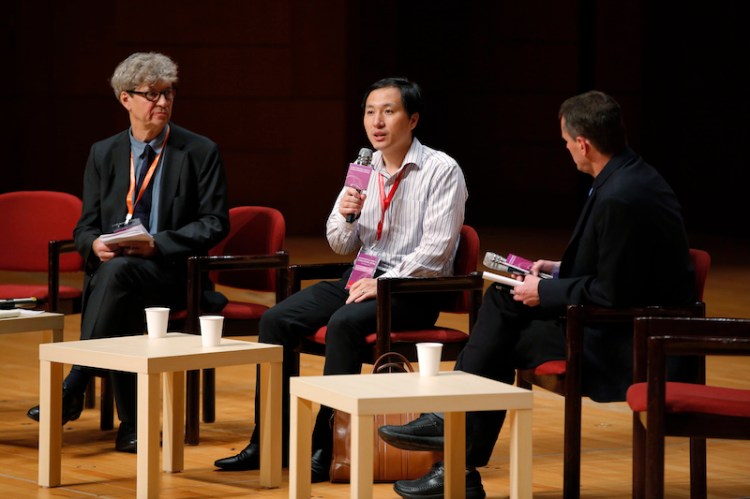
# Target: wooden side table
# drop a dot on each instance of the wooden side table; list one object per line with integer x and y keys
{"x": 33, "y": 321}
{"x": 150, "y": 358}
{"x": 364, "y": 396}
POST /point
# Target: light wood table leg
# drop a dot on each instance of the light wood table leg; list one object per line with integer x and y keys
{"x": 521, "y": 483}
{"x": 361, "y": 454}
{"x": 455, "y": 454}
{"x": 300, "y": 448}
{"x": 148, "y": 475}
{"x": 173, "y": 422}
{"x": 270, "y": 424}
{"x": 50, "y": 429}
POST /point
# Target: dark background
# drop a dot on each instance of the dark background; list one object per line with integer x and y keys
{"x": 278, "y": 83}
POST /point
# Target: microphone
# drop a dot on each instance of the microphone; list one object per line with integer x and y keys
{"x": 358, "y": 175}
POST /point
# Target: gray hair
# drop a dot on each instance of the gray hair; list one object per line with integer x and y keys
{"x": 143, "y": 68}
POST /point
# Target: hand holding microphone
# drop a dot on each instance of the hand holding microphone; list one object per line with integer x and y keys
{"x": 357, "y": 178}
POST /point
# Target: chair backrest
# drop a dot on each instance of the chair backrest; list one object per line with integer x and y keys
{"x": 31, "y": 219}
{"x": 254, "y": 230}
{"x": 698, "y": 327}
{"x": 701, "y": 261}
{"x": 465, "y": 263}
{"x": 698, "y": 412}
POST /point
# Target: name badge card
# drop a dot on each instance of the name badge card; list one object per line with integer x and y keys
{"x": 364, "y": 268}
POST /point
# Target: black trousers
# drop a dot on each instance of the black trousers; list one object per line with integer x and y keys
{"x": 506, "y": 336}
{"x": 324, "y": 304}
{"x": 115, "y": 297}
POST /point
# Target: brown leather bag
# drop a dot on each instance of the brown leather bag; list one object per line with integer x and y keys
{"x": 390, "y": 464}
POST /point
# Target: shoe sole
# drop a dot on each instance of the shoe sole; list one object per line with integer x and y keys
{"x": 236, "y": 468}
{"x": 472, "y": 493}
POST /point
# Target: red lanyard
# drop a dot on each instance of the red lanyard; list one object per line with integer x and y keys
{"x": 385, "y": 202}
{"x": 146, "y": 180}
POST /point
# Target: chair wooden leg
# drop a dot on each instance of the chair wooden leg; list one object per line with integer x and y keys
{"x": 639, "y": 458}
{"x": 209, "y": 395}
{"x": 192, "y": 407}
{"x": 654, "y": 462}
{"x": 106, "y": 404}
{"x": 698, "y": 487}
{"x": 572, "y": 448}
{"x": 90, "y": 394}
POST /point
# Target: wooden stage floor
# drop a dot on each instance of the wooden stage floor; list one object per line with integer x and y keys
{"x": 91, "y": 467}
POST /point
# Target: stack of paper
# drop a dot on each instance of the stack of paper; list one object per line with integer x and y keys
{"x": 134, "y": 232}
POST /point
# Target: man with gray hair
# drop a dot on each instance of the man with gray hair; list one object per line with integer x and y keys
{"x": 165, "y": 178}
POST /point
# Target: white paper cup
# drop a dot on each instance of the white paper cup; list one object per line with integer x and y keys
{"x": 428, "y": 356}
{"x": 211, "y": 326}
{"x": 157, "y": 319}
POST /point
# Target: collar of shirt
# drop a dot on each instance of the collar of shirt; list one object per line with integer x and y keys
{"x": 413, "y": 157}
{"x": 138, "y": 147}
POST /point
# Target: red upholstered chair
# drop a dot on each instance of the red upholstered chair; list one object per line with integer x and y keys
{"x": 464, "y": 290}
{"x": 37, "y": 227}
{"x": 692, "y": 410}
{"x": 248, "y": 263}
{"x": 564, "y": 377}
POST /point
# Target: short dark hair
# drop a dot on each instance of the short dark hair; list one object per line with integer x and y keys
{"x": 598, "y": 117}
{"x": 411, "y": 94}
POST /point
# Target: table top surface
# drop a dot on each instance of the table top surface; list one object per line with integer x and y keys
{"x": 406, "y": 392}
{"x": 175, "y": 352}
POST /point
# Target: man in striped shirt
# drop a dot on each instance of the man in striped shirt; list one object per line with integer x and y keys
{"x": 405, "y": 224}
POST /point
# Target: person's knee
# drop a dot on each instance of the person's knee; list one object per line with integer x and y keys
{"x": 272, "y": 327}
{"x": 345, "y": 330}
{"x": 338, "y": 326}
{"x": 118, "y": 271}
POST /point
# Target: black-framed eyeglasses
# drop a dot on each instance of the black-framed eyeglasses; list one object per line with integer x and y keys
{"x": 153, "y": 95}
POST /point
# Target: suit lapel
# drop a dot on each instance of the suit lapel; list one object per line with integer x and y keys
{"x": 582, "y": 219}
{"x": 613, "y": 165}
{"x": 170, "y": 177}
{"x": 121, "y": 178}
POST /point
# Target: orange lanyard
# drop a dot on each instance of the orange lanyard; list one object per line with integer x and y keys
{"x": 146, "y": 181}
{"x": 385, "y": 202}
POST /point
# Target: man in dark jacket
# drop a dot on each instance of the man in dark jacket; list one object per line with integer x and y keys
{"x": 165, "y": 178}
{"x": 629, "y": 248}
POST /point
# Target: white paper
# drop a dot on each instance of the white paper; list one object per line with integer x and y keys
{"x": 136, "y": 232}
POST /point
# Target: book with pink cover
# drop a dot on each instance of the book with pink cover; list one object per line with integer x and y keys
{"x": 513, "y": 264}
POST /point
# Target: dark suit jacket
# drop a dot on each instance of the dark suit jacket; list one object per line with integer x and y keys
{"x": 629, "y": 248}
{"x": 193, "y": 207}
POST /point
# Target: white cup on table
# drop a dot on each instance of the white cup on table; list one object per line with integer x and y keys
{"x": 157, "y": 319}
{"x": 211, "y": 327}
{"x": 428, "y": 356}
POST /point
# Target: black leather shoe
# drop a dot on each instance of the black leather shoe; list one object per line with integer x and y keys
{"x": 424, "y": 433}
{"x": 127, "y": 438}
{"x": 72, "y": 406}
{"x": 247, "y": 459}
{"x": 432, "y": 484}
{"x": 320, "y": 466}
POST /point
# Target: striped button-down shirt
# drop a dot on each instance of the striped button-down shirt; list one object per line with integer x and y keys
{"x": 421, "y": 227}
